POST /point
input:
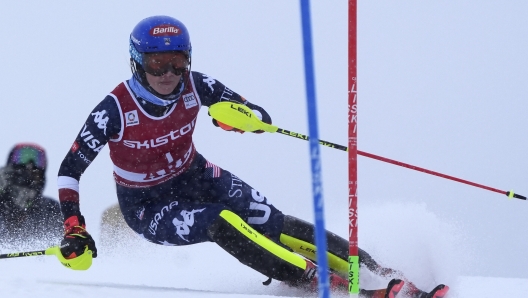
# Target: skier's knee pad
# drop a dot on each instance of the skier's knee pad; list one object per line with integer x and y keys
{"x": 253, "y": 249}
{"x": 299, "y": 235}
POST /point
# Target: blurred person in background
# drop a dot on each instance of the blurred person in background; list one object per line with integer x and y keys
{"x": 115, "y": 232}
{"x": 26, "y": 215}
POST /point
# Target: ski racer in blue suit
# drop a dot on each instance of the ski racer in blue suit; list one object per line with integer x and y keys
{"x": 167, "y": 191}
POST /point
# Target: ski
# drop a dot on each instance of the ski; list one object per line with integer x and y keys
{"x": 393, "y": 288}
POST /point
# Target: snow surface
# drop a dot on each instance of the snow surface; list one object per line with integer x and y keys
{"x": 441, "y": 85}
{"x": 136, "y": 268}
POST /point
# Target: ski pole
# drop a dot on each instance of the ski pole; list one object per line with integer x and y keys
{"x": 23, "y": 254}
{"x": 241, "y": 117}
{"x": 82, "y": 262}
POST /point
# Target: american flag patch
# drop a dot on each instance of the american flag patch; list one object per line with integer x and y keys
{"x": 212, "y": 170}
{"x": 140, "y": 213}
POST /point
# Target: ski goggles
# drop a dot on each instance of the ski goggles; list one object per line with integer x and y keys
{"x": 22, "y": 155}
{"x": 158, "y": 64}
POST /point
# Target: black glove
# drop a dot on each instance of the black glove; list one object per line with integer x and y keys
{"x": 76, "y": 238}
{"x": 260, "y": 113}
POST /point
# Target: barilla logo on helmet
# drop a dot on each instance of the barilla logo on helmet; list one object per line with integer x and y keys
{"x": 165, "y": 30}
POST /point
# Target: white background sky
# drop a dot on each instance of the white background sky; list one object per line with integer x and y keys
{"x": 441, "y": 85}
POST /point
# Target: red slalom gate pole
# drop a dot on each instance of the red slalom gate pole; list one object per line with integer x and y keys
{"x": 353, "y": 251}
{"x": 510, "y": 194}
{"x": 353, "y": 182}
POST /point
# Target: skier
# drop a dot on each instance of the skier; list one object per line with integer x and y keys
{"x": 169, "y": 193}
{"x": 26, "y": 216}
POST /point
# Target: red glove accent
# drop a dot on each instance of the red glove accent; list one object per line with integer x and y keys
{"x": 73, "y": 226}
{"x": 228, "y": 128}
{"x": 76, "y": 238}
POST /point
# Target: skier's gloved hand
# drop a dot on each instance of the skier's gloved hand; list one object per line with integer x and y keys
{"x": 258, "y": 111}
{"x": 76, "y": 238}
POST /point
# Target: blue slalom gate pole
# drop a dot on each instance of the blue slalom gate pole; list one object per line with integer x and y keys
{"x": 317, "y": 186}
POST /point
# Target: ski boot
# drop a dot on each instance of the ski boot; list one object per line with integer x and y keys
{"x": 439, "y": 291}
{"x": 393, "y": 288}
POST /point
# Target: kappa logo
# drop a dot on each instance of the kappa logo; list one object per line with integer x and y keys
{"x": 209, "y": 81}
{"x": 100, "y": 120}
{"x": 131, "y": 118}
{"x": 183, "y": 227}
{"x": 189, "y": 100}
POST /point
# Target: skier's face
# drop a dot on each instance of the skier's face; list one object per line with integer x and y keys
{"x": 165, "y": 83}
{"x": 164, "y": 70}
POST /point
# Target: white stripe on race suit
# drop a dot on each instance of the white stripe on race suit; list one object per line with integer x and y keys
{"x": 68, "y": 182}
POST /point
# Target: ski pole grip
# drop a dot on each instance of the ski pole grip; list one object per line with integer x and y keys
{"x": 511, "y": 195}
{"x": 519, "y": 197}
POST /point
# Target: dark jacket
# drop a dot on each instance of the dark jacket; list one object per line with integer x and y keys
{"x": 39, "y": 224}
